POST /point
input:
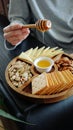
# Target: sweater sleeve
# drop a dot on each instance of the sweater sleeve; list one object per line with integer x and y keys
{"x": 19, "y": 10}
{"x": 9, "y": 46}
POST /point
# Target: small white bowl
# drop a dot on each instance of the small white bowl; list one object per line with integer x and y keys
{"x": 43, "y": 64}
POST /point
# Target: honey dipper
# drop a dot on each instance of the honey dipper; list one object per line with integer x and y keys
{"x": 41, "y": 25}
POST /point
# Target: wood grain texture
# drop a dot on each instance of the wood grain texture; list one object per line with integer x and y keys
{"x": 25, "y": 92}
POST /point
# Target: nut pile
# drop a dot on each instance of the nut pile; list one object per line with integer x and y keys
{"x": 19, "y": 73}
{"x": 65, "y": 63}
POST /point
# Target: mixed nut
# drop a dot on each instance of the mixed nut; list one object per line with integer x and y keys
{"x": 19, "y": 73}
{"x": 64, "y": 62}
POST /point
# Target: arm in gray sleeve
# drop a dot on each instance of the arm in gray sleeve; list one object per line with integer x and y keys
{"x": 8, "y": 46}
{"x": 19, "y": 10}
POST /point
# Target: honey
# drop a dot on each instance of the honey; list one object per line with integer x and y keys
{"x": 43, "y": 63}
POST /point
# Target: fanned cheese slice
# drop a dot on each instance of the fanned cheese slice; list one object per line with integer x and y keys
{"x": 34, "y": 53}
{"x": 25, "y": 56}
{"x": 29, "y": 52}
{"x": 39, "y": 51}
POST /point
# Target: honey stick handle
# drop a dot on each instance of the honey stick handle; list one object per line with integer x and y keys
{"x": 29, "y": 26}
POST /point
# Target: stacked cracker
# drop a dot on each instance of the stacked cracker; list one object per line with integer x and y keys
{"x": 51, "y": 83}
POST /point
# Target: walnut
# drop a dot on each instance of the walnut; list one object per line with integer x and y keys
{"x": 19, "y": 73}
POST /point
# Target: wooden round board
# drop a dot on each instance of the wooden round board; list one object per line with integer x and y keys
{"x": 25, "y": 89}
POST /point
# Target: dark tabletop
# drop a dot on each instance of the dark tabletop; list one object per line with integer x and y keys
{"x": 46, "y": 116}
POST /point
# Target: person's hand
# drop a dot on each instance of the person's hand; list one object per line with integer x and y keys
{"x": 15, "y": 33}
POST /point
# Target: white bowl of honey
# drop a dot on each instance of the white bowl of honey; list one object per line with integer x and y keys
{"x": 43, "y": 64}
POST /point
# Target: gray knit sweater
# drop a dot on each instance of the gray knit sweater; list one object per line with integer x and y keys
{"x": 60, "y": 12}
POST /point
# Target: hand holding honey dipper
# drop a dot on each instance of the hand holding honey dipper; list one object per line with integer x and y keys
{"x": 17, "y": 32}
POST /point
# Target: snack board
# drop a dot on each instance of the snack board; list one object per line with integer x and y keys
{"x": 20, "y": 73}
